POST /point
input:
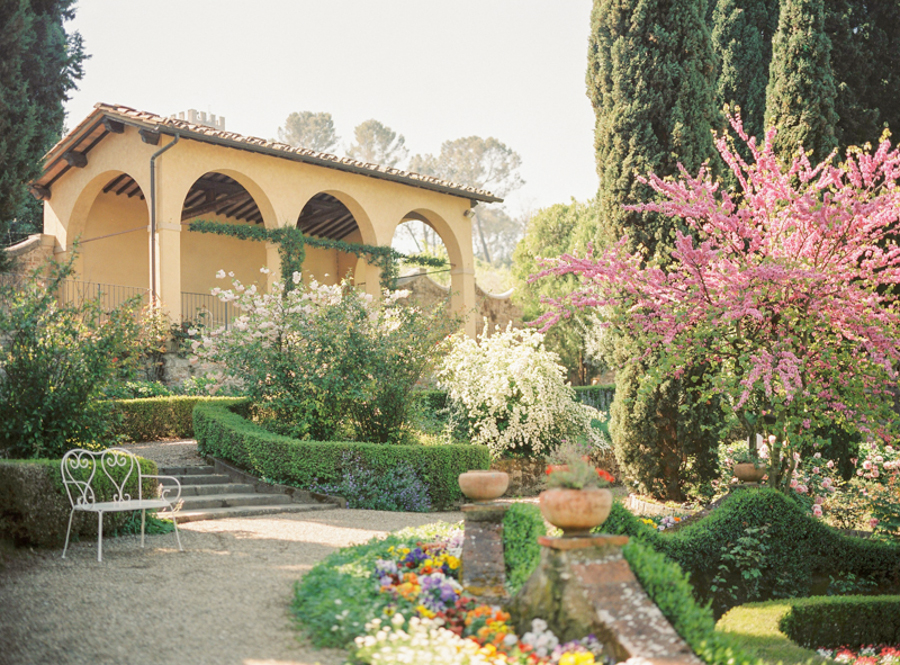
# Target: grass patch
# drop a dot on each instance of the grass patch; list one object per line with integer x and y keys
{"x": 754, "y": 627}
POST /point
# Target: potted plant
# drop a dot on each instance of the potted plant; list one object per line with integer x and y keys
{"x": 748, "y": 468}
{"x": 576, "y": 499}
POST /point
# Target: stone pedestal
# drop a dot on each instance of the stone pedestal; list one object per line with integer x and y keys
{"x": 483, "y": 573}
{"x": 584, "y": 586}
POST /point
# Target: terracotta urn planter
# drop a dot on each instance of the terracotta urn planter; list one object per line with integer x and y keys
{"x": 576, "y": 512}
{"x": 747, "y": 473}
{"x": 483, "y": 485}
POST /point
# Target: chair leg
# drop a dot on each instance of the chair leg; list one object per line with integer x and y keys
{"x": 143, "y": 517}
{"x": 177, "y": 533}
{"x": 68, "y": 531}
{"x": 100, "y": 537}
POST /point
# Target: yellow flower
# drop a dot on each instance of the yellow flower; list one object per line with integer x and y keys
{"x": 425, "y": 612}
{"x": 577, "y": 658}
{"x": 453, "y": 562}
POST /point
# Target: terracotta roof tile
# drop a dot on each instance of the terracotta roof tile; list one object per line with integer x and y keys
{"x": 128, "y": 114}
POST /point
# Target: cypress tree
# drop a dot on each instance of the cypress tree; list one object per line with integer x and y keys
{"x": 39, "y": 65}
{"x": 801, "y": 93}
{"x": 650, "y": 78}
{"x": 865, "y": 57}
{"x": 742, "y": 38}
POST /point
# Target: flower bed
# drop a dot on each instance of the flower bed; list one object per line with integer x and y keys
{"x": 871, "y": 655}
{"x": 399, "y": 600}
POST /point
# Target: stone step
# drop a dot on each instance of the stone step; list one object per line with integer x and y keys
{"x": 224, "y": 488}
{"x": 186, "y": 470}
{"x": 246, "y": 511}
{"x": 205, "y": 479}
{"x": 232, "y": 500}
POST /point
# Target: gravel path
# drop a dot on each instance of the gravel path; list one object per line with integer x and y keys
{"x": 224, "y": 600}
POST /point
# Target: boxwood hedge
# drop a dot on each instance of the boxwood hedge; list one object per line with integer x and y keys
{"x": 834, "y": 621}
{"x": 153, "y": 418}
{"x": 801, "y": 553}
{"x": 223, "y": 432}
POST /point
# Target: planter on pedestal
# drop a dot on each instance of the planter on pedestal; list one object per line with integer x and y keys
{"x": 576, "y": 511}
{"x": 480, "y": 486}
{"x": 746, "y": 472}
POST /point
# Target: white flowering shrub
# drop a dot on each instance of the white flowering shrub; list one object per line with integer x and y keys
{"x": 323, "y": 362}
{"x": 511, "y": 393}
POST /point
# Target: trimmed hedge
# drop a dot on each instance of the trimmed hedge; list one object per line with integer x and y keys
{"x": 153, "y": 418}
{"x": 801, "y": 551}
{"x": 220, "y": 431}
{"x": 662, "y": 579}
{"x": 836, "y": 621}
{"x": 34, "y": 508}
{"x": 668, "y": 587}
{"x": 599, "y": 396}
{"x": 522, "y": 524}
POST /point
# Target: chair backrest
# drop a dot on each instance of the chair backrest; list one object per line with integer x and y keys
{"x": 117, "y": 464}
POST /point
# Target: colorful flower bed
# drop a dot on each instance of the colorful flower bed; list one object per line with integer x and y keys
{"x": 871, "y": 655}
{"x": 428, "y": 618}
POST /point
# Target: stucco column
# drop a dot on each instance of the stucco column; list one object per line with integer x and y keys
{"x": 462, "y": 297}
{"x": 168, "y": 270}
{"x": 273, "y": 263}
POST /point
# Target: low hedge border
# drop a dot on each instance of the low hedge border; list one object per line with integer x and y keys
{"x": 34, "y": 508}
{"x": 802, "y": 551}
{"x": 153, "y": 418}
{"x": 836, "y": 621}
{"x": 222, "y": 432}
{"x": 662, "y": 579}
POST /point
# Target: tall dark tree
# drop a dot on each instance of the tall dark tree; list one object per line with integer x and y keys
{"x": 39, "y": 64}
{"x": 865, "y": 58}
{"x": 742, "y": 38}
{"x": 651, "y": 80}
{"x": 801, "y": 93}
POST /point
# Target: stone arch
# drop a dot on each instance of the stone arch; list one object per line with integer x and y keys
{"x": 224, "y": 196}
{"x": 336, "y": 215}
{"x": 110, "y": 219}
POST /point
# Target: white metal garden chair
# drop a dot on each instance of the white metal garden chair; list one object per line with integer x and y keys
{"x": 82, "y": 494}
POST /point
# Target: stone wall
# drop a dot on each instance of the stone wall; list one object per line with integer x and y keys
{"x": 499, "y": 310}
{"x": 36, "y": 251}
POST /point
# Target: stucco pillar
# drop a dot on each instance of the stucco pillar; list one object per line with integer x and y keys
{"x": 462, "y": 297}
{"x": 273, "y": 263}
{"x": 168, "y": 270}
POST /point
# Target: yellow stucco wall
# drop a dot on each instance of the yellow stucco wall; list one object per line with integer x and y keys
{"x": 204, "y": 254}
{"x": 120, "y": 259}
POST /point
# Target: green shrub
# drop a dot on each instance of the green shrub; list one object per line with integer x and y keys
{"x": 154, "y": 418}
{"x": 522, "y": 525}
{"x": 801, "y": 553}
{"x": 34, "y": 508}
{"x": 222, "y": 432}
{"x": 599, "y": 396}
{"x": 137, "y": 390}
{"x": 55, "y": 361}
{"x": 853, "y": 621}
{"x": 668, "y": 587}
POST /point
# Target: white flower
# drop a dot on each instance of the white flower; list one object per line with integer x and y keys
{"x": 220, "y": 274}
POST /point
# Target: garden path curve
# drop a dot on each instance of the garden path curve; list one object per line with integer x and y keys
{"x": 224, "y": 600}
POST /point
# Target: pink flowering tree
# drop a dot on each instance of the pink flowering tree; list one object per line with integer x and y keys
{"x": 783, "y": 288}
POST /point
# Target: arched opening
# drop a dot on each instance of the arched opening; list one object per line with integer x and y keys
{"x": 415, "y": 235}
{"x": 327, "y": 216}
{"x": 114, "y": 237}
{"x": 217, "y": 197}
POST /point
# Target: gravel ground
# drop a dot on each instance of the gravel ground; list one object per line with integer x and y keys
{"x": 224, "y": 600}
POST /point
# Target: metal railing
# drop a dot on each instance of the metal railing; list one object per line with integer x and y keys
{"x": 110, "y": 296}
{"x": 207, "y": 310}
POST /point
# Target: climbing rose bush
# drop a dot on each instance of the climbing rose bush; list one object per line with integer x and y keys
{"x": 784, "y": 288}
{"x": 322, "y": 362}
{"x": 511, "y": 393}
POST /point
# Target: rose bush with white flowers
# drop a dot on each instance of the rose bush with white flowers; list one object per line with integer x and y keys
{"x": 511, "y": 394}
{"x": 324, "y": 361}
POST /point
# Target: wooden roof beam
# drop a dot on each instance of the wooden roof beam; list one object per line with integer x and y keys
{"x": 218, "y": 204}
{"x": 76, "y": 159}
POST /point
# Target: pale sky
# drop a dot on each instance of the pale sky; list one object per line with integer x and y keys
{"x": 430, "y": 70}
